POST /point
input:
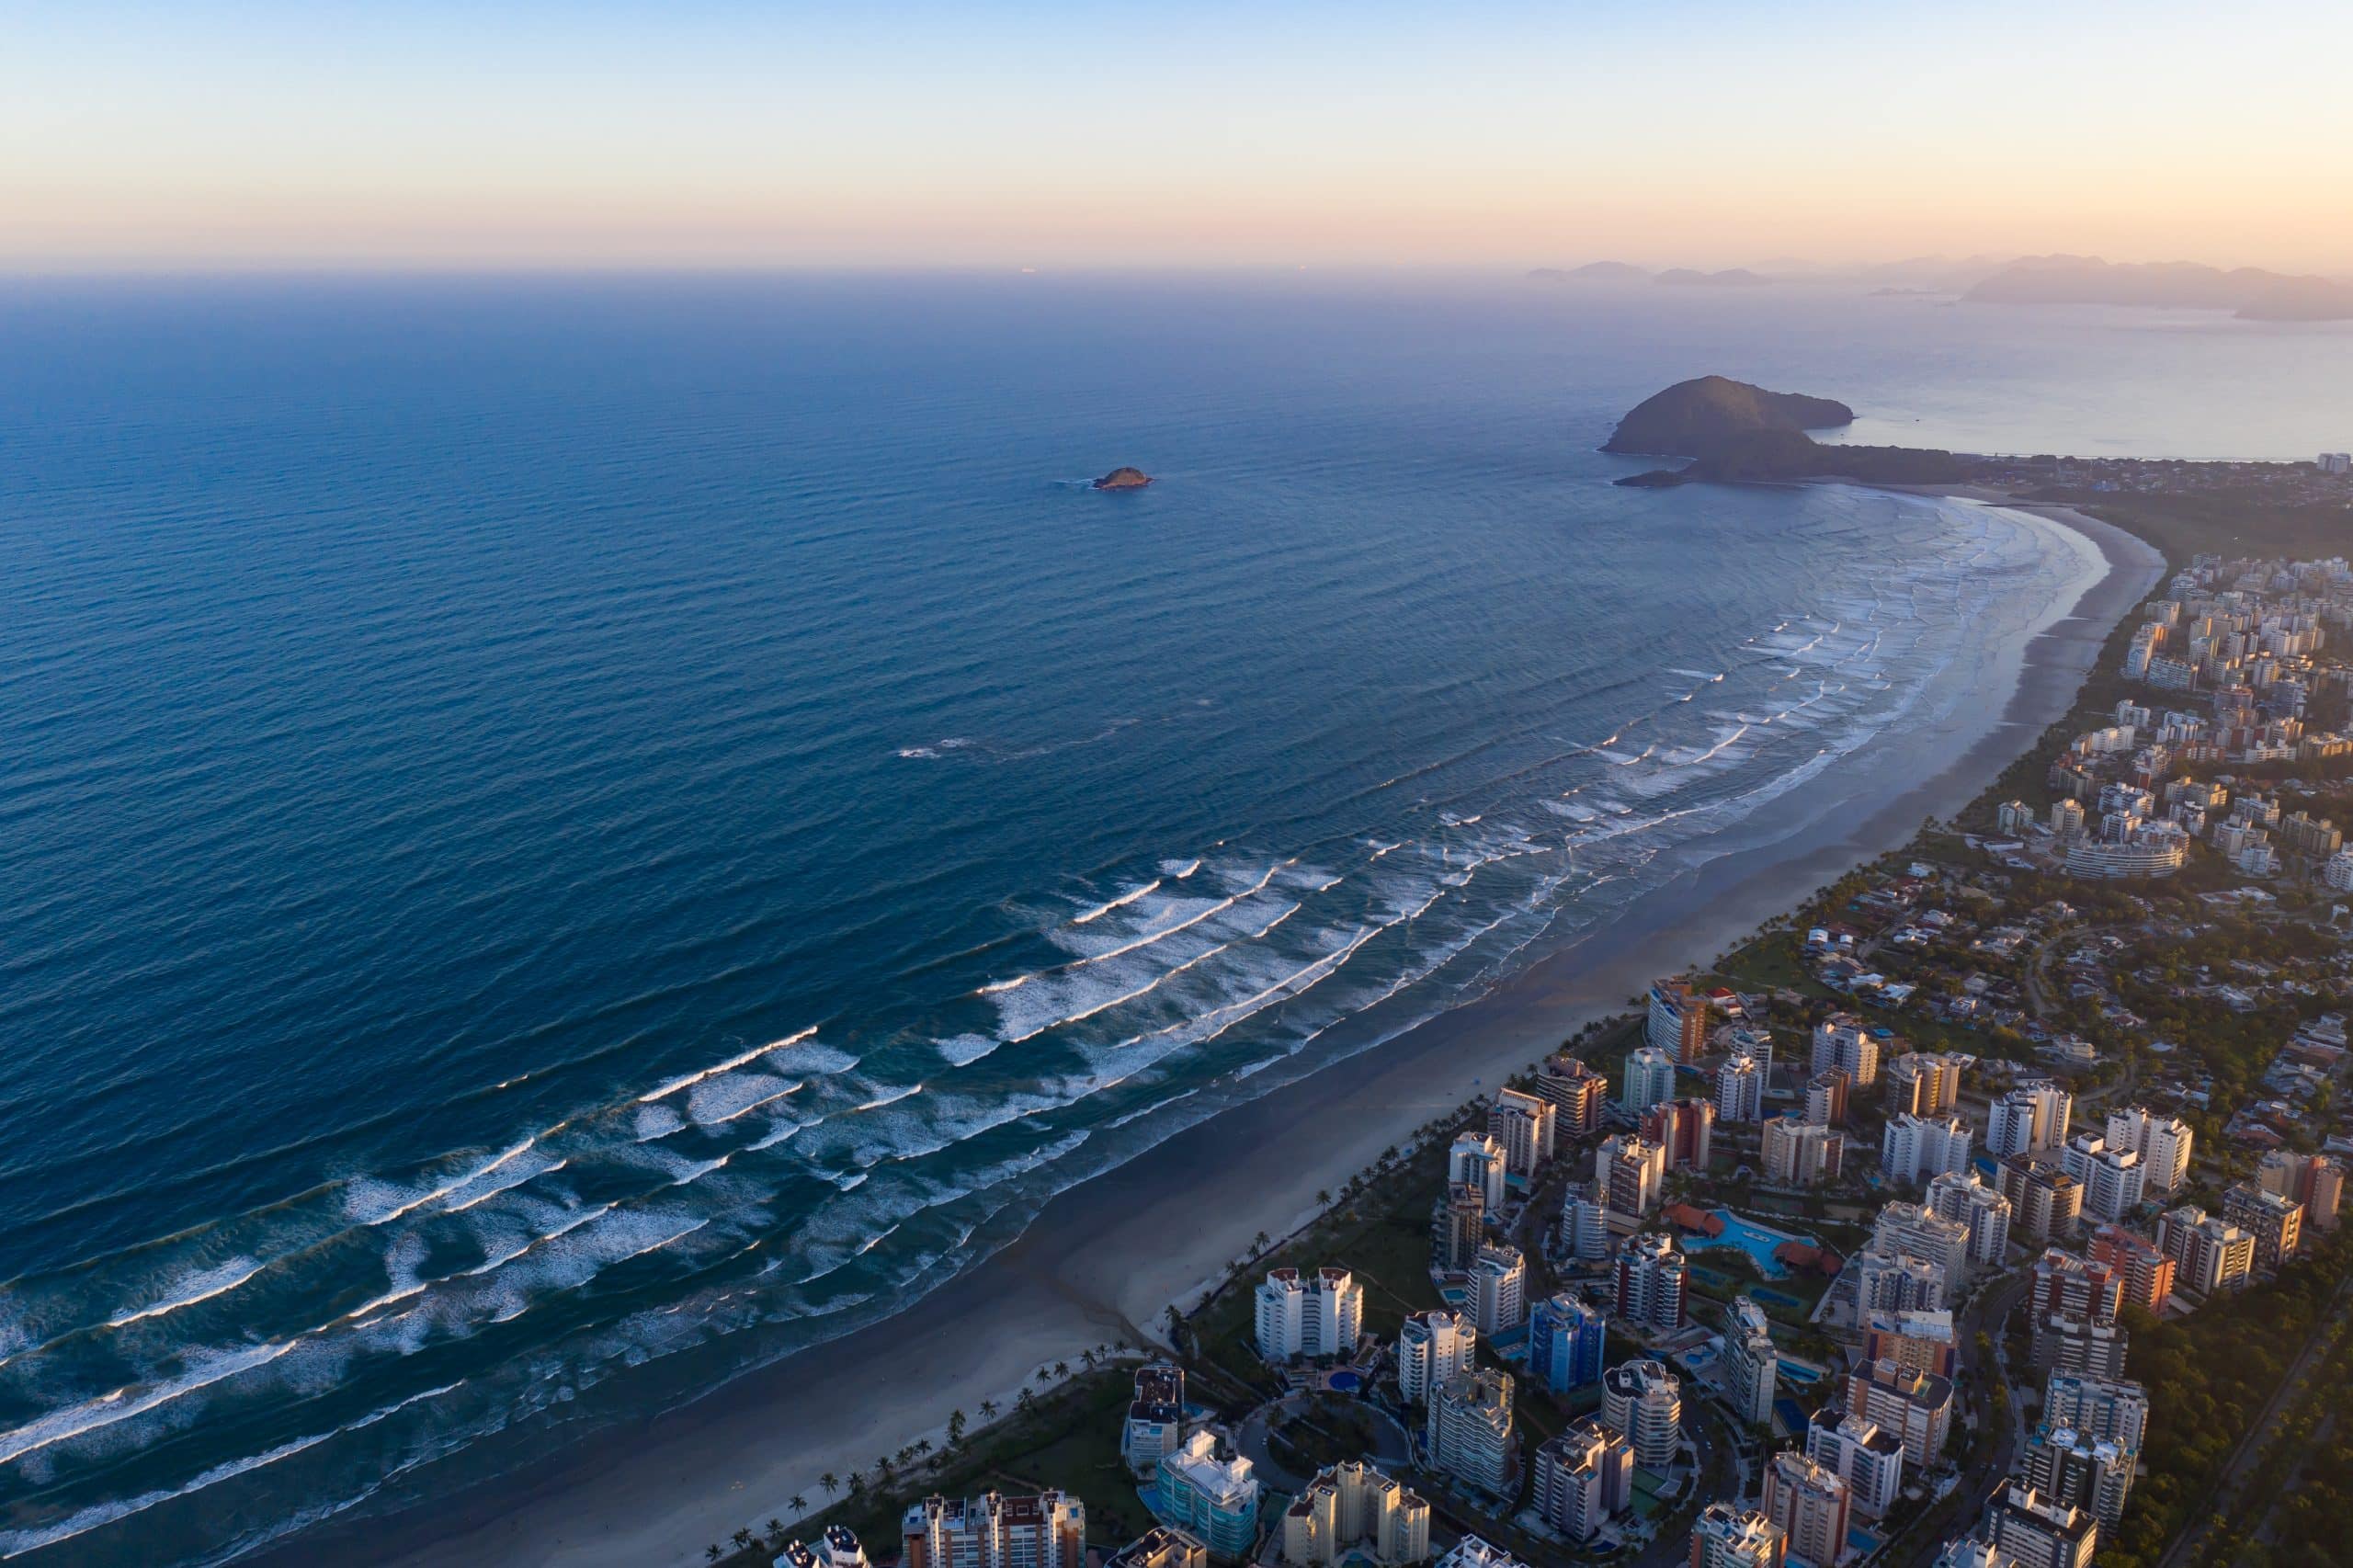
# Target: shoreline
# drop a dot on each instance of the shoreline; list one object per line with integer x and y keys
{"x": 1102, "y": 1259}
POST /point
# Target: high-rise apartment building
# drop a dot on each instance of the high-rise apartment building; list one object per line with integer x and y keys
{"x": 1810, "y": 1505}
{"x": 2163, "y": 1143}
{"x": 1651, "y": 1280}
{"x": 1476, "y": 1160}
{"x": 1044, "y": 1530}
{"x": 1431, "y": 1347}
{"x": 2274, "y": 1220}
{"x": 1752, "y": 1363}
{"x": 1215, "y": 1500}
{"x": 1498, "y": 1288}
{"x": 1566, "y": 1342}
{"x": 1650, "y": 1078}
{"x": 1469, "y": 1431}
{"x": 1352, "y": 1510}
{"x": 1967, "y": 1201}
{"x": 1524, "y": 1124}
{"x": 1726, "y": 1536}
{"x": 1678, "y": 1021}
{"x": 1915, "y": 1406}
{"x": 1645, "y": 1400}
{"x": 1684, "y": 1130}
{"x": 2211, "y": 1252}
{"x": 1869, "y": 1460}
{"x": 1583, "y": 1478}
{"x": 2046, "y": 1203}
{"x": 2031, "y": 1119}
{"x": 1576, "y": 1090}
{"x": 1845, "y": 1041}
{"x": 2111, "y": 1178}
{"x": 1914, "y": 1148}
{"x": 1317, "y": 1314}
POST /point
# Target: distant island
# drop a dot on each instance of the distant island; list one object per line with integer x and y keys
{"x": 1627, "y": 272}
{"x": 2248, "y": 292}
{"x": 1730, "y": 278}
{"x": 1733, "y": 430}
{"x": 1591, "y": 272}
{"x": 1123, "y": 479}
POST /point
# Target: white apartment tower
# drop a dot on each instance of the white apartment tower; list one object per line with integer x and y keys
{"x": 1498, "y": 1288}
{"x": 1845, "y": 1041}
{"x": 1752, "y": 1364}
{"x": 1523, "y": 1124}
{"x": 1913, "y": 1148}
{"x": 1319, "y": 1315}
{"x": 1477, "y": 1160}
{"x": 1431, "y": 1347}
{"x": 1962, "y": 1199}
{"x": 2111, "y": 1178}
{"x": 2164, "y": 1143}
{"x": 2030, "y": 1119}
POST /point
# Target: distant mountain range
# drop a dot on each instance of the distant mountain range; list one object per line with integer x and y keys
{"x": 2249, "y": 293}
{"x": 1627, "y": 272}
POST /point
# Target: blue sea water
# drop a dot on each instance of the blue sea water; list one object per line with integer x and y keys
{"x": 550, "y": 824}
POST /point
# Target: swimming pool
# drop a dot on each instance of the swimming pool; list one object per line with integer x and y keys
{"x": 1756, "y": 1241}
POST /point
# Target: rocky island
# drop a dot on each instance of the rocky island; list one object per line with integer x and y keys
{"x": 1732, "y": 430}
{"x": 1123, "y": 479}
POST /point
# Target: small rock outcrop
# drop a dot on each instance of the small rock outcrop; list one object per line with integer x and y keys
{"x": 1123, "y": 479}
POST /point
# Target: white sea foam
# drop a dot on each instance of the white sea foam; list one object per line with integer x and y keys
{"x": 964, "y": 1049}
{"x": 16, "y": 1542}
{"x": 692, "y": 1079}
{"x": 1121, "y": 902}
{"x": 723, "y": 1099}
{"x": 190, "y": 1290}
{"x": 123, "y": 1404}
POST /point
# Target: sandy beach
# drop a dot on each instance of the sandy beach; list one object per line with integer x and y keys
{"x": 1107, "y": 1257}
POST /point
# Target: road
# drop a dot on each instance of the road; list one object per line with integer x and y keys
{"x": 1958, "y": 1514}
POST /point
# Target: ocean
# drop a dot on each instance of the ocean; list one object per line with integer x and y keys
{"x": 555, "y": 825}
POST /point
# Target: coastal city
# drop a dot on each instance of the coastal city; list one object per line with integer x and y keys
{"x": 1983, "y": 1211}
{"x": 1064, "y": 786}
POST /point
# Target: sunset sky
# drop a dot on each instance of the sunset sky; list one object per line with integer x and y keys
{"x": 722, "y": 132}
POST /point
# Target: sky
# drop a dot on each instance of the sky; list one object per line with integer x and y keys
{"x": 1192, "y": 133}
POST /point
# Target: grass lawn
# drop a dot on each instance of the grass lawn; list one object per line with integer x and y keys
{"x": 1069, "y": 1440}
{"x": 1383, "y": 1236}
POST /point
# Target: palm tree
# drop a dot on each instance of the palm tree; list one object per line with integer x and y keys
{"x": 988, "y": 1409}
{"x": 1323, "y": 1198}
{"x": 857, "y": 1483}
{"x": 799, "y": 1505}
{"x": 743, "y": 1538}
{"x": 1024, "y": 1401}
{"x": 906, "y": 1455}
{"x": 1062, "y": 1368}
{"x": 922, "y": 1447}
{"x": 1087, "y": 1360}
{"x": 1045, "y": 1374}
{"x": 712, "y": 1552}
{"x": 776, "y": 1526}
{"x": 955, "y": 1427}
{"x": 1261, "y": 1241}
